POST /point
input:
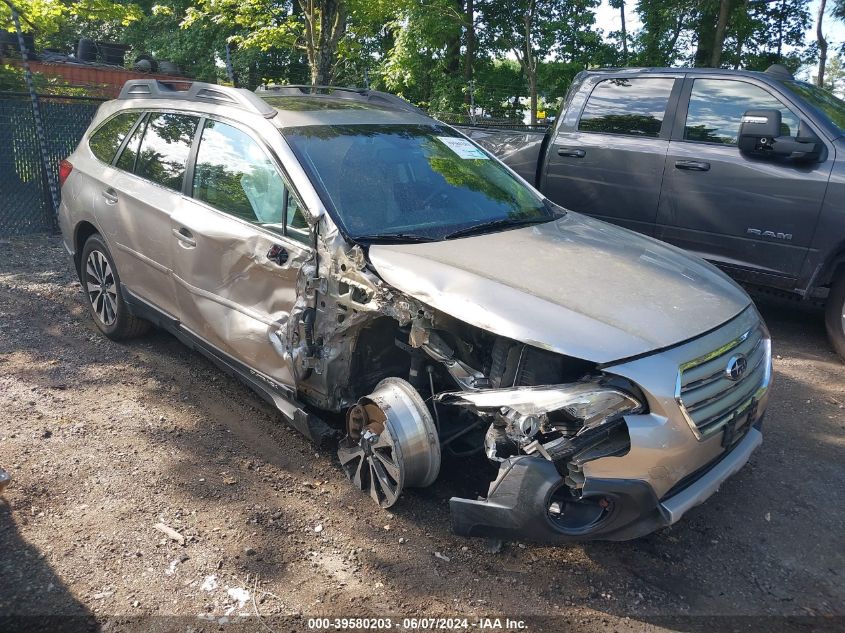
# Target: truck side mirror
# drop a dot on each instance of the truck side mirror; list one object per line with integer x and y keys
{"x": 757, "y": 131}
{"x": 759, "y": 135}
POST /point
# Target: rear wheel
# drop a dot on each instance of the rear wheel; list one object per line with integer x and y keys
{"x": 101, "y": 286}
{"x": 834, "y": 316}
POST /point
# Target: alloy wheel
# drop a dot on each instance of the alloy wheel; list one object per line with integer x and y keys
{"x": 101, "y": 287}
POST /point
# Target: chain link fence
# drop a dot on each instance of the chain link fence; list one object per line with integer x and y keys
{"x": 25, "y": 205}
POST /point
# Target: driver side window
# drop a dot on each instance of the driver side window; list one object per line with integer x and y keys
{"x": 234, "y": 174}
{"x": 716, "y": 107}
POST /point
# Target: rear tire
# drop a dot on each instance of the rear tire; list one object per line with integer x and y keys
{"x": 834, "y": 316}
{"x": 101, "y": 287}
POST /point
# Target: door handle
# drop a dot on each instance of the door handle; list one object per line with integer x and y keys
{"x": 692, "y": 165}
{"x": 278, "y": 254}
{"x": 110, "y": 196}
{"x": 572, "y": 152}
{"x": 185, "y": 236}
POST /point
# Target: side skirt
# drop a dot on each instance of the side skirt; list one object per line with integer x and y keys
{"x": 282, "y": 397}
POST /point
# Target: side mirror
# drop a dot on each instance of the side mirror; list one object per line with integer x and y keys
{"x": 757, "y": 131}
{"x": 759, "y": 135}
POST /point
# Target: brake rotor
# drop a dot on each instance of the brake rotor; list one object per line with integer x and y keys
{"x": 391, "y": 442}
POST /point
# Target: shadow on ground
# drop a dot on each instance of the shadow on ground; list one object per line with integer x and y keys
{"x": 25, "y": 605}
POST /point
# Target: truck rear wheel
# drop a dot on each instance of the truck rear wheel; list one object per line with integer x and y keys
{"x": 834, "y": 316}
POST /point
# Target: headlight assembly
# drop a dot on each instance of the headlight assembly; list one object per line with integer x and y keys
{"x": 591, "y": 402}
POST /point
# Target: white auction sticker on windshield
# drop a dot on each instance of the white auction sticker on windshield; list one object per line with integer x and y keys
{"x": 462, "y": 147}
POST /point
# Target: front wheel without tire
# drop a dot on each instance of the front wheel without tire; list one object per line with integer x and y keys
{"x": 101, "y": 286}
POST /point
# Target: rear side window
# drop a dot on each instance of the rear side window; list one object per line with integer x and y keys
{"x": 234, "y": 174}
{"x": 106, "y": 140}
{"x": 633, "y": 107}
{"x": 165, "y": 148}
{"x": 126, "y": 161}
{"x": 716, "y": 107}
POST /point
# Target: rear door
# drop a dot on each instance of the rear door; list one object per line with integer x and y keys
{"x": 142, "y": 193}
{"x": 238, "y": 246}
{"x": 749, "y": 215}
{"x": 608, "y": 162}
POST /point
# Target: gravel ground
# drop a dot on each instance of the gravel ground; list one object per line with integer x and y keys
{"x": 107, "y": 440}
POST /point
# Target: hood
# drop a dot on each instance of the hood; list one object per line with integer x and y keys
{"x": 576, "y": 286}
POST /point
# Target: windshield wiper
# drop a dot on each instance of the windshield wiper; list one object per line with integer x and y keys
{"x": 392, "y": 238}
{"x": 496, "y": 224}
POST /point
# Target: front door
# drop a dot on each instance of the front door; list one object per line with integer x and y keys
{"x": 237, "y": 251}
{"x": 745, "y": 214}
{"x": 609, "y": 164}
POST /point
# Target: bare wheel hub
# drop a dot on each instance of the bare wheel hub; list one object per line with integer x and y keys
{"x": 391, "y": 442}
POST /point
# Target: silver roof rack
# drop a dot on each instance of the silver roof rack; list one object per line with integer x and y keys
{"x": 335, "y": 92}
{"x": 196, "y": 91}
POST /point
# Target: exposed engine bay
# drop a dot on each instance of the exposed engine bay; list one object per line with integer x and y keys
{"x": 415, "y": 386}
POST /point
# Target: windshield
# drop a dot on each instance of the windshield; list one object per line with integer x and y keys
{"x": 822, "y": 100}
{"x": 411, "y": 182}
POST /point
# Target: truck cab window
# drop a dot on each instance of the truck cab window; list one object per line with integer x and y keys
{"x": 716, "y": 107}
{"x": 633, "y": 107}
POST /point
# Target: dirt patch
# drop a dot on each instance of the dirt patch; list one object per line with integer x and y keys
{"x": 106, "y": 440}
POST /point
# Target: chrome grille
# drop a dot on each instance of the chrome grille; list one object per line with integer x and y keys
{"x": 709, "y": 397}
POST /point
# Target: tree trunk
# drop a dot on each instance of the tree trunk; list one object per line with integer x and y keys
{"x": 325, "y": 25}
{"x": 530, "y": 61}
{"x": 706, "y": 31}
{"x": 532, "y": 89}
{"x": 624, "y": 30}
{"x": 469, "y": 58}
{"x": 739, "y": 45}
{"x": 822, "y": 44}
{"x": 721, "y": 27}
{"x": 676, "y": 33}
{"x": 453, "y": 45}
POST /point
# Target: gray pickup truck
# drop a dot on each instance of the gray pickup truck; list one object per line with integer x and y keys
{"x": 742, "y": 168}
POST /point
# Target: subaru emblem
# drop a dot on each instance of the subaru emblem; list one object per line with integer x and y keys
{"x": 736, "y": 367}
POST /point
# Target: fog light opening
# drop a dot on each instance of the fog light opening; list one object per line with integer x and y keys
{"x": 570, "y": 514}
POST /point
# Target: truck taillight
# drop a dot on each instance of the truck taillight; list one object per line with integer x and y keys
{"x": 65, "y": 168}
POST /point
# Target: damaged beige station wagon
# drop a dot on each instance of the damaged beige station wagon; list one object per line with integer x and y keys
{"x": 392, "y": 287}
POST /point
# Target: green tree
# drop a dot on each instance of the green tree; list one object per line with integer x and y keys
{"x": 623, "y": 31}
{"x": 834, "y": 76}
{"x": 51, "y": 19}
{"x": 765, "y": 32}
{"x": 323, "y": 30}
{"x": 665, "y": 32}
{"x": 534, "y": 30}
{"x": 422, "y": 65}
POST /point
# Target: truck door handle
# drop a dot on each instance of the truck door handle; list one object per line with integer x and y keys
{"x": 572, "y": 152}
{"x": 185, "y": 236}
{"x": 692, "y": 165}
{"x": 110, "y": 196}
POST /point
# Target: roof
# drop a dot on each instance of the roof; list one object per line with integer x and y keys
{"x": 299, "y": 106}
{"x": 775, "y": 72}
{"x": 285, "y": 106}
